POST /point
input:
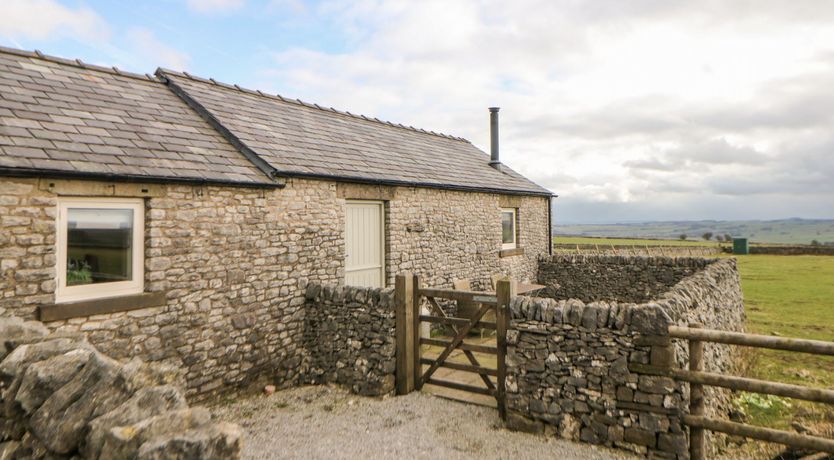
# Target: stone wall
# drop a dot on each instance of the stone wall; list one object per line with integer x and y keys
{"x": 233, "y": 264}
{"x": 613, "y": 277}
{"x": 632, "y": 250}
{"x": 595, "y": 371}
{"x": 787, "y": 250}
{"x": 713, "y": 298}
{"x": 61, "y": 398}
{"x": 569, "y": 374}
{"x": 350, "y": 338}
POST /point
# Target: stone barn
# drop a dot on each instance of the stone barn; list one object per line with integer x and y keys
{"x": 180, "y": 219}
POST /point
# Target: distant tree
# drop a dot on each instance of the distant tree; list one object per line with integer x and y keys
{"x": 815, "y": 243}
{"x": 682, "y": 236}
{"x": 707, "y": 236}
{"x": 719, "y": 238}
{"x": 728, "y": 237}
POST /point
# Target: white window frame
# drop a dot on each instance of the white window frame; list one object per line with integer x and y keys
{"x": 514, "y": 243}
{"x": 64, "y": 293}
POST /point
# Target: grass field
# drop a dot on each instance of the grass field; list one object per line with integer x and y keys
{"x": 790, "y": 296}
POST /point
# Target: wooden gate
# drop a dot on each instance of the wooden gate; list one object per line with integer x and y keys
{"x": 411, "y": 374}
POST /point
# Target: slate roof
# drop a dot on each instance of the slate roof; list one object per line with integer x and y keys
{"x": 67, "y": 118}
{"x": 301, "y": 139}
{"x": 76, "y": 119}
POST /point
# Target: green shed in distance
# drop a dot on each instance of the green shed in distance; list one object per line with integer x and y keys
{"x": 740, "y": 246}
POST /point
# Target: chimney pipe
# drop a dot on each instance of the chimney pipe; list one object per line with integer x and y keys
{"x": 494, "y": 158}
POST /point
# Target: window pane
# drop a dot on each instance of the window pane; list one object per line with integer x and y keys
{"x": 99, "y": 245}
{"x": 507, "y": 227}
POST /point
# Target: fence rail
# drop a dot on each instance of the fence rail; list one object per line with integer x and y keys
{"x": 697, "y": 379}
{"x": 817, "y": 347}
{"x": 465, "y": 296}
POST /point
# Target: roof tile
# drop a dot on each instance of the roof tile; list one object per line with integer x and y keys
{"x": 297, "y": 138}
{"x": 68, "y": 116}
{"x": 72, "y": 117}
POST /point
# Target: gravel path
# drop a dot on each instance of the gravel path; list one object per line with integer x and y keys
{"x": 330, "y": 423}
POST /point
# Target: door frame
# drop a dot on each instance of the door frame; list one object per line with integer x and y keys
{"x": 382, "y": 234}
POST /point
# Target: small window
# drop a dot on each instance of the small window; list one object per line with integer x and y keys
{"x": 100, "y": 248}
{"x": 508, "y": 230}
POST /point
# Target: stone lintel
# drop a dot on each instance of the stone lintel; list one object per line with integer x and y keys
{"x": 509, "y": 201}
{"x": 365, "y": 192}
{"x": 75, "y": 187}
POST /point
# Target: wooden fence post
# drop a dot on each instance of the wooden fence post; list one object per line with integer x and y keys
{"x": 403, "y": 295}
{"x": 416, "y": 306}
{"x": 697, "y": 439}
{"x": 505, "y": 290}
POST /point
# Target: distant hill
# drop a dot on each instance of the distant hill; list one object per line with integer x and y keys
{"x": 784, "y": 231}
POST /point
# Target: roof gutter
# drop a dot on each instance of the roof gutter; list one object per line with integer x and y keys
{"x": 132, "y": 178}
{"x": 250, "y": 154}
{"x": 397, "y": 183}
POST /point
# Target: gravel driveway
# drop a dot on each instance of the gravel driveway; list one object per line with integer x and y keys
{"x": 328, "y": 422}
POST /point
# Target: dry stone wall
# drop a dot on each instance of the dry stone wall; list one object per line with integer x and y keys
{"x": 822, "y": 250}
{"x": 61, "y": 398}
{"x": 632, "y": 250}
{"x": 594, "y": 371}
{"x": 350, "y": 338}
{"x": 569, "y": 374}
{"x": 713, "y": 298}
{"x": 613, "y": 277}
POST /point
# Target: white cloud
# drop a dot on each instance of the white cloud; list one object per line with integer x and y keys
{"x": 641, "y": 104}
{"x": 144, "y": 47}
{"x": 135, "y": 48}
{"x": 287, "y": 6}
{"x": 214, "y": 6}
{"x": 42, "y": 19}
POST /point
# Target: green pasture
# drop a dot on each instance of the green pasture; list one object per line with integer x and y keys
{"x": 789, "y": 296}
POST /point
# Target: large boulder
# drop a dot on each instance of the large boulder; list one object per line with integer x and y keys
{"x": 120, "y": 441}
{"x": 61, "y": 421}
{"x": 146, "y": 403}
{"x": 12, "y": 370}
{"x": 214, "y": 442}
{"x": 16, "y": 362}
{"x": 60, "y": 398}
{"x": 43, "y": 378}
{"x": 14, "y": 330}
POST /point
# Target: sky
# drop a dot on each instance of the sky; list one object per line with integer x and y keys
{"x": 629, "y": 111}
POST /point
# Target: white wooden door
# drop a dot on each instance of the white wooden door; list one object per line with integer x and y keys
{"x": 364, "y": 244}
